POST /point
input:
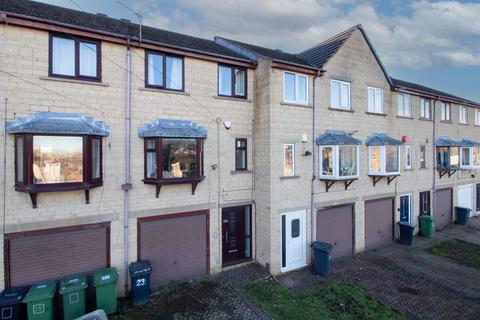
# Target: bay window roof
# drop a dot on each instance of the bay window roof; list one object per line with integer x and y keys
{"x": 58, "y": 123}
{"x": 465, "y": 142}
{"x": 172, "y": 128}
{"x": 382, "y": 139}
{"x": 447, "y": 142}
{"x": 336, "y": 137}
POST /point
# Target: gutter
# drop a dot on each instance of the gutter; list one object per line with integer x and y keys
{"x": 432, "y": 96}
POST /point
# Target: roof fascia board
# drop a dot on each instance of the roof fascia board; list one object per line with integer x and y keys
{"x": 433, "y": 96}
{"x": 37, "y": 23}
{"x": 280, "y": 64}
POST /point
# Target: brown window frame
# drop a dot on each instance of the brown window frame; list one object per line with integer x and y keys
{"x": 159, "y": 181}
{"x": 77, "y": 76}
{"x": 425, "y": 208}
{"x": 237, "y": 148}
{"x": 29, "y": 186}
{"x": 164, "y": 73}
{"x": 233, "y": 81}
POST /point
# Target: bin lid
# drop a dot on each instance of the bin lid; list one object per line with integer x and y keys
{"x": 105, "y": 276}
{"x": 140, "y": 268}
{"x": 407, "y": 224}
{"x": 73, "y": 283}
{"x": 426, "y": 217}
{"x": 12, "y": 296}
{"x": 463, "y": 208}
{"x": 40, "y": 291}
{"x": 323, "y": 246}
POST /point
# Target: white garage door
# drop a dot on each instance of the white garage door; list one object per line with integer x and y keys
{"x": 465, "y": 196}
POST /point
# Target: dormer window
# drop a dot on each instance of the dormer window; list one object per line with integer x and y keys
{"x": 383, "y": 157}
{"x": 57, "y": 152}
{"x": 339, "y": 158}
{"x": 173, "y": 153}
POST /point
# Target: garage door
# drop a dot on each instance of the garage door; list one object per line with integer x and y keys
{"x": 378, "y": 223}
{"x": 444, "y": 208}
{"x": 54, "y": 253}
{"x": 176, "y": 245}
{"x": 335, "y": 226}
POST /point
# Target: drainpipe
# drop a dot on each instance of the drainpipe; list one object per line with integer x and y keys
{"x": 434, "y": 144}
{"x": 127, "y": 186}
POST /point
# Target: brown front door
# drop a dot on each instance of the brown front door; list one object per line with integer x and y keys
{"x": 335, "y": 226}
{"x": 236, "y": 234}
{"x": 378, "y": 223}
{"x": 444, "y": 208}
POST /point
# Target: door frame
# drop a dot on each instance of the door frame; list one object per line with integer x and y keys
{"x": 410, "y": 206}
{"x": 234, "y": 262}
{"x": 420, "y": 198}
{"x": 283, "y": 246}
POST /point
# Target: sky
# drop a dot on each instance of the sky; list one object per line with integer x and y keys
{"x": 433, "y": 43}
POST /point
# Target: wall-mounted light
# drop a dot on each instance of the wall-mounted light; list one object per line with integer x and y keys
{"x": 227, "y": 124}
{"x": 304, "y": 138}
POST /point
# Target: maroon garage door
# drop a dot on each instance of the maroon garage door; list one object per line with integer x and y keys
{"x": 378, "y": 223}
{"x": 52, "y": 254}
{"x": 444, "y": 208}
{"x": 335, "y": 226}
{"x": 176, "y": 245}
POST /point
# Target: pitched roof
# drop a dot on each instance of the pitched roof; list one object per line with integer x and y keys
{"x": 416, "y": 87}
{"x": 274, "y": 54}
{"x": 320, "y": 54}
{"x": 172, "y": 128}
{"x": 382, "y": 139}
{"x": 334, "y": 137}
{"x": 104, "y": 24}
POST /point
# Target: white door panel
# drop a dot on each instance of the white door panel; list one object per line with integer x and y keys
{"x": 465, "y": 196}
{"x": 294, "y": 244}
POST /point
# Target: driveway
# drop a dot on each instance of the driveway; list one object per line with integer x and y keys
{"x": 410, "y": 280}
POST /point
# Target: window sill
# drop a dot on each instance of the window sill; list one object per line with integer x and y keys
{"x": 232, "y": 99}
{"x": 341, "y": 110}
{"x": 295, "y": 104}
{"x": 376, "y": 114}
{"x": 396, "y": 174}
{"x": 425, "y": 119}
{"x": 93, "y": 83}
{"x": 323, "y": 178}
{"x": 240, "y": 172}
{"x": 404, "y": 117}
{"x": 477, "y": 125}
{"x": 289, "y": 177}
{"x": 164, "y": 91}
{"x": 446, "y": 121}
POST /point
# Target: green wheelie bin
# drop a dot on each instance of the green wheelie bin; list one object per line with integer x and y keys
{"x": 72, "y": 290}
{"x": 427, "y": 225}
{"x": 39, "y": 300}
{"x": 105, "y": 283}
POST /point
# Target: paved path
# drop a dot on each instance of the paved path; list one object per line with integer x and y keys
{"x": 418, "y": 284}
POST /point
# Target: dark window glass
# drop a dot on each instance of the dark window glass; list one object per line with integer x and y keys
{"x": 232, "y": 81}
{"x": 240, "y": 154}
{"x": 478, "y": 197}
{"x": 423, "y": 161}
{"x": 295, "y": 228}
{"x": 425, "y": 202}
{"x": 164, "y": 71}
{"x": 443, "y": 157}
{"x": 179, "y": 158}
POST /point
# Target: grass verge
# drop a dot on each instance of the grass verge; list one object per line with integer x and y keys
{"x": 460, "y": 251}
{"x": 336, "y": 301}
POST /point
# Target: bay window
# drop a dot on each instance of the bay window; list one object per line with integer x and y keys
{"x": 232, "y": 81}
{"x": 447, "y": 158}
{"x": 164, "y": 71}
{"x": 466, "y": 157}
{"x": 74, "y": 58}
{"x": 375, "y": 100}
{"x": 339, "y": 162}
{"x": 384, "y": 160}
{"x": 295, "y": 88}
{"x": 340, "y": 95}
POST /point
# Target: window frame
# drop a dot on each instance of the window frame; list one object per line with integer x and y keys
{"x": 336, "y": 163}
{"x": 340, "y": 82}
{"x": 462, "y": 112}
{"x": 408, "y": 152}
{"x": 246, "y": 153}
{"x": 423, "y": 151}
{"x": 382, "y": 107}
{"x": 423, "y": 102}
{"x": 233, "y": 81}
{"x": 28, "y": 184}
{"x": 470, "y": 158}
{"x": 405, "y": 97}
{"x": 450, "y": 166}
{"x": 383, "y": 162}
{"x": 285, "y": 145}
{"x": 446, "y": 116}
{"x": 77, "y": 41}
{"x": 164, "y": 71}
{"x": 296, "y": 100}
{"x": 159, "y": 180}
{"x": 410, "y": 206}
{"x": 477, "y": 117}
{"x": 425, "y": 197}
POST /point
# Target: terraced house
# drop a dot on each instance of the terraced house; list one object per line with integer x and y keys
{"x": 199, "y": 155}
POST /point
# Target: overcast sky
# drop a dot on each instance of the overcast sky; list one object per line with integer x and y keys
{"x": 435, "y": 43}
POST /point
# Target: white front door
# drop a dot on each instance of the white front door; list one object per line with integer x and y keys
{"x": 294, "y": 240}
{"x": 465, "y": 196}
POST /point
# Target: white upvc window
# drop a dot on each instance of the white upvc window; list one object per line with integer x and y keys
{"x": 289, "y": 160}
{"x": 466, "y": 157}
{"x": 295, "y": 88}
{"x": 446, "y": 112}
{"x": 375, "y": 100}
{"x": 404, "y": 105}
{"x": 340, "y": 95}
{"x": 339, "y": 162}
{"x": 463, "y": 114}
{"x": 477, "y": 117}
{"x": 425, "y": 109}
{"x": 384, "y": 160}
{"x": 408, "y": 157}
{"x": 476, "y": 157}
